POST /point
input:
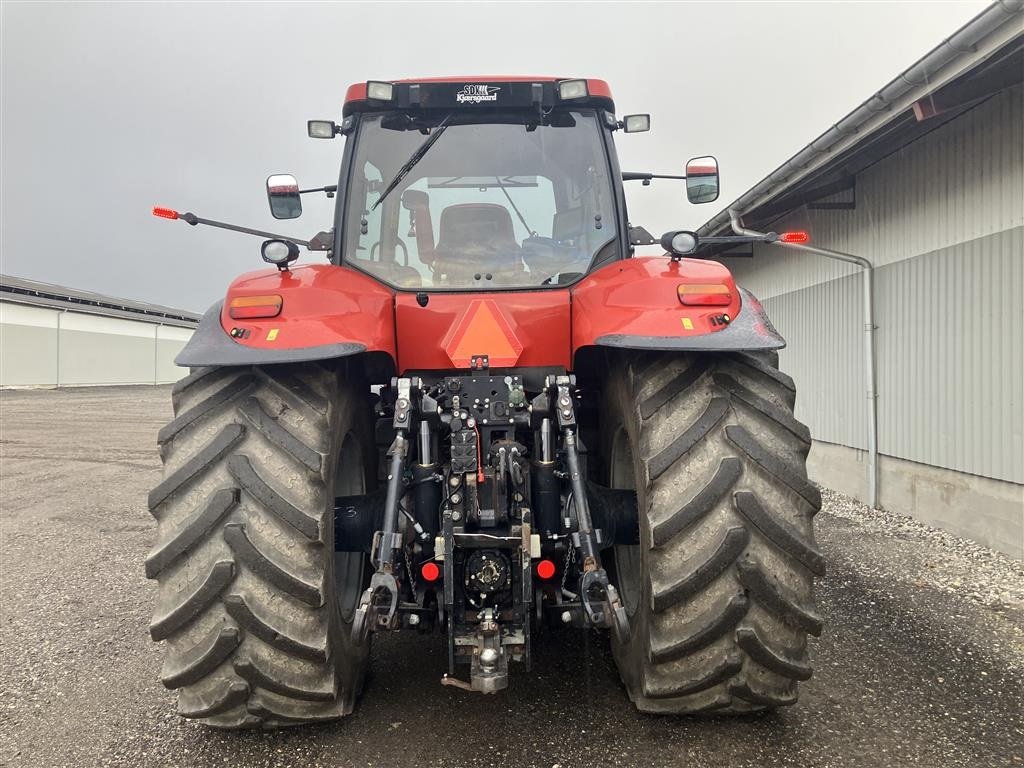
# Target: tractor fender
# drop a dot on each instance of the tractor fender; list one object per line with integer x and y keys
{"x": 326, "y": 312}
{"x": 634, "y": 304}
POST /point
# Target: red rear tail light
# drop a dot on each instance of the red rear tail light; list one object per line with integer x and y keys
{"x": 705, "y": 294}
{"x": 430, "y": 571}
{"x": 165, "y": 213}
{"x": 545, "y": 569}
{"x": 794, "y": 237}
{"x": 245, "y": 307}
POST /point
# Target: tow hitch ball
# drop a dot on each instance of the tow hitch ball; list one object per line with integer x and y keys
{"x": 489, "y": 667}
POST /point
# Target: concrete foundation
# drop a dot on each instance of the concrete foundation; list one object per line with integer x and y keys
{"x": 990, "y": 512}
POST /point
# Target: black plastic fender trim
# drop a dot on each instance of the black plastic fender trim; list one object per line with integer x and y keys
{"x": 209, "y": 345}
{"x": 750, "y": 330}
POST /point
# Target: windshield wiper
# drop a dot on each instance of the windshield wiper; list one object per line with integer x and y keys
{"x": 414, "y": 158}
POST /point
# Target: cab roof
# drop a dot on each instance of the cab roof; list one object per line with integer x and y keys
{"x": 477, "y": 92}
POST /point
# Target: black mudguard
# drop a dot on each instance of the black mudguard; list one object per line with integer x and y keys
{"x": 751, "y": 330}
{"x": 209, "y": 345}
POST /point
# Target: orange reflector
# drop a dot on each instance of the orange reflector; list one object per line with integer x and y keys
{"x": 705, "y": 294}
{"x": 244, "y": 307}
{"x": 430, "y": 572}
{"x": 165, "y": 213}
{"x": 545, "y": 569}
{"x": 794, "y": 237}
{"x": 483, "y": 330}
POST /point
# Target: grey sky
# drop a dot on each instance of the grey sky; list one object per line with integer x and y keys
{"x": 108, "y": 109}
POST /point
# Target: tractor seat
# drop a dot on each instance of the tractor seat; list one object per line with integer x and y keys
{"x": 474, "y": 237}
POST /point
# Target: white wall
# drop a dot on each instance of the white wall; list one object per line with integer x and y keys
{"x": 45, "y": 347}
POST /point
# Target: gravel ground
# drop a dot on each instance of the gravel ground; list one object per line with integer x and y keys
{"x": 921, "y": 662}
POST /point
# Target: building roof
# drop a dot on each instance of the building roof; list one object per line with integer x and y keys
{"x": 19, "y": 291}
{"x": 980, "y": 59}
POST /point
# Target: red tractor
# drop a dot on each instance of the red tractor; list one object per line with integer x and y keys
{"x": 482, "y": 416}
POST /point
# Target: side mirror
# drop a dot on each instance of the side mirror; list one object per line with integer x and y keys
{"x": 283, "y": 196}
{"x": 702, "y": 180}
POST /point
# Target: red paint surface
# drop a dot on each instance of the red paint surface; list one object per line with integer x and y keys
{"x": 326, "y": 304}
{"x": 638, "y": 297}
{"x": 322, "y": 304}
{"x": 539, "y": 321}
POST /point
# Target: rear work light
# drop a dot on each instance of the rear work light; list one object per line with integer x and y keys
{"x": 705, "y": 294}
{"x": 379, "y": 91}
{"x": 572, "y": 89}
{"x": 247, "y": 307}
{"x": 321, "y": 129}
{"x": 793, "y": 237}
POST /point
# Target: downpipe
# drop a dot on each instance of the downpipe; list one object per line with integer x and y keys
{"x": 867, "y": 274}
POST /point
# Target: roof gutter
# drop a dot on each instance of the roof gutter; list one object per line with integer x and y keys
{"x": 867, "y": 273}
{"x": 982, "y": 36}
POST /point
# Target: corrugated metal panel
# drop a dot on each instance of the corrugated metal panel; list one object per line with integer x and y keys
{"x": 962, "y": 181}
{"x": 943, "y": 220}
{"x": 822, "y": 327}
{"x": 950, "y": 357}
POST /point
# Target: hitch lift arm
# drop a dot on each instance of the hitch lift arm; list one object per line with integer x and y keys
{"x": 379, "y": 604}
{"x": 601, "y": 603}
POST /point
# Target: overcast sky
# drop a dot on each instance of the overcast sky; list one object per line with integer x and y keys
{"x": 110, "y": 108}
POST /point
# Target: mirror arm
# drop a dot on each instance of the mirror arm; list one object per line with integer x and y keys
{"x": 322, "y": 241}
{"x": 329, "y": 190}
{"x": 192, "y": 219}
{"x": 646, "y": 177}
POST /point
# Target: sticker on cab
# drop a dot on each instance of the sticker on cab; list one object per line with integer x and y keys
{"x": 475, "y": 93}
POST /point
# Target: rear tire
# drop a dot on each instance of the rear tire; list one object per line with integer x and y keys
{"x": 720, "y": 590}
{"x": 248, "y": 602}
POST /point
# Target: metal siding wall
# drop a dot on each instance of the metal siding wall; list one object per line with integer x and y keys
{"x": 105, "y": 350}
{"x": 962, "y": 181}
{"x": 951, "y": 357}
{"x": 28, "y": 346}
{"x": 169, "y": 342}
{"x": 93, "y": 358}
{"x": 943, "y": 218}
{"x": 44, "y": 347}
{"x": 822, "y": 327}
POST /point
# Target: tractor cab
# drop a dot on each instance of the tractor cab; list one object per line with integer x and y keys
{"x": 479, "y": 185}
